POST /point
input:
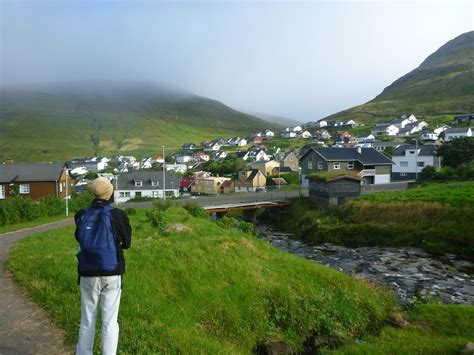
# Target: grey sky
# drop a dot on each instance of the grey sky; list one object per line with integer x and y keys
{"x": 303, "y": 60}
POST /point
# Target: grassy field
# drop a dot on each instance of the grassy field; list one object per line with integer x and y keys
{"x": 207, "y": 290}
{"x": 431, "y": 329}
{"x": 454, "y": 193}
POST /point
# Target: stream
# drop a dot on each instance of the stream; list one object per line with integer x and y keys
{"x": 409, "y": 271}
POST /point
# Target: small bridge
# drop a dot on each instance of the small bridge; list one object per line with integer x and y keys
{"x": 248, "y": 208}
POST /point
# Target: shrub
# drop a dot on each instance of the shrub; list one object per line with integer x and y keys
{"x": 157, "y": 219}
{"x": 196, "y": 210}
{"x": 80, "y": 200}
{"x": 428, "y": 173}
{"x": 130, "y": 211}
{"x": 232, "y": 223}
{"x": 162, "y": 205}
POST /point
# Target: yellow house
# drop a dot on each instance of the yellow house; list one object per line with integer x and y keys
{"x": 266, "y": 167}
{"x": 208, "y": 185}
{"x": 250, "y": 180}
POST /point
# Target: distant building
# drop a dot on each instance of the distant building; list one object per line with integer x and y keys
{"x": 454, "y": 133}
{"x": 33, "y": 180}
{"x": 289, "y": 159}
{"x": 372, "y": 166}
{"x": 334, "y": 191}
{"x": 250, "y": 180}
{"x": 410, "y": 160}
{"x": 208, "y": 185}
{"x": 265, "y": 167}
{"x": 385, "y": 130}
{"x": 145, "y": 184}
{"x": 461, "y": 119}
{"x": 91, "y": 164}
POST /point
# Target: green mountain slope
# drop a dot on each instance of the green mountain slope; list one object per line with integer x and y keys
{"x": 61, "y": 122}
{"x": 443, "y": 85}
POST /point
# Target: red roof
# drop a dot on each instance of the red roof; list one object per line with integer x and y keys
{"x": 186, "y": 182}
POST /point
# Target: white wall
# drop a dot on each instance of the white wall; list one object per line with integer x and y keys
{"x": 158, "y": 193}
{"x": 428, "y": 160}
{"x": 382, "y": 179}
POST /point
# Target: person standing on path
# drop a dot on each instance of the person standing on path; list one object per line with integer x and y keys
{"x": 102, "y": 232}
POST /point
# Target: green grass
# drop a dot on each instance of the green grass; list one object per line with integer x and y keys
{"x": 432, "y": 329}
{"x": 206, "y": 290}
{"x": 455, "y": 193}
{"x": 39, "y": 221}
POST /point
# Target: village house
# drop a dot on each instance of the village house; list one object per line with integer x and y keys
{"x": 274, "y": 183}
{"x": 221, "y": 155}
{"x": 411, "y": 128}
{"x": 322, "y": 134}
{"x": 365, "y": 139}
{"x": 304, "y": 134}
{"x": 254, "y": 138}
{"x": 208, "y": 185}
{"x": 91, "y": 164}
{"x": 289, "y": 134}
{"x": 250, "y": 180}
{"x": 184, "y": 158}
{"x": 289, "y": 159}
{"x": 177, "y": 168}
{"x": 200, "y": 156}
{"x": 461, "y": 119}
{"x": 280, "y": 170}
{"x": 410, "y": 160}
{"x": 351, "y": 123}
{"x": 34, "y": 180}
{"x": 372, "y": 166}
{"x": 380, "y": 146}
{"x": 269, "y": 133}
{"x": 265, "y": 167}
{"x": 211, "y": 146}
{"x": 237, "y": 141}
{"x": 293, "y": 129}
{"x": 189, "y": 147}
{"x": 320, "y": 124}
{"x": 428, "y": 136}
{"x": 145, "y": 184}
{"x": 441, "y": 129}
{"x": 256, "y": 155}
{"x": 185, "y": 183}
{"x": 385, "y": 129}
{"x": 404, "y": 120}
{"x": 454, "y": 133}
{"x": 333, "y": 191}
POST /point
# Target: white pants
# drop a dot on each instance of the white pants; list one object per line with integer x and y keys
{"x": 103, "y": 290}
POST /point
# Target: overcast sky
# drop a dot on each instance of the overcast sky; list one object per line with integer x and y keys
{"x": 302, "y": 60}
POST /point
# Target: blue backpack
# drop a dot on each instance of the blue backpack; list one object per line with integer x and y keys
{"x": 98, "y": 251}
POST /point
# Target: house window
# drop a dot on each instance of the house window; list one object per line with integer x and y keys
{"x": 2, "y": 192}
{"x": 154, "y": 183}
{"x": 124, "y": 194}
{"x": 336, "y": 165}
{"x": 138, "y": 183}
{"x": 310, "y": 165}
{"x": 154, "y": 194}
{"x": 350, "y": 165}
{"x": 24, "y": 188}
{"x": 138, "y": 194}
{"x": 411, "y": 152}
{"x": 404, "y": 164}
{"x": 320, "y": 165}
{"x": 403, "y": 174}
{"x": 60, "y": 187}
{"x": 421, "y": 164}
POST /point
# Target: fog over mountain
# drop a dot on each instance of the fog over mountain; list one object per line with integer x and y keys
{"x": 298, "y": 60}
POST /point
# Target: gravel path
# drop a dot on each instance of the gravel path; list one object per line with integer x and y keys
{"x": 24, "y": 326}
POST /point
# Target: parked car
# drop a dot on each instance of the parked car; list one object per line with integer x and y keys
{"x": 260, "y": 189}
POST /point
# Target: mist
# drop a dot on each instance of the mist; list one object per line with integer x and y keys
{"x": 298, "y": 60}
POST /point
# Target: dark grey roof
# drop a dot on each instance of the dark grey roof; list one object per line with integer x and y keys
{"x": 283, "y": 169}
{"x": 30, "y": 172}
{"x": 425, "y": 150}
{"x": 253, "y": 174}
{"x": 386, "y": 144}
{"x": 368, "y": 156}
{"x": 456, "y": 130}
{"x": 127, "y": 181}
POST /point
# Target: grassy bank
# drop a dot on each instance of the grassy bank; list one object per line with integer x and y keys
{"x": 434, "y": 217}
{"x": 205, "y": 289}
{"x": 37, "y": 222}
{"x": 430, "y": 329}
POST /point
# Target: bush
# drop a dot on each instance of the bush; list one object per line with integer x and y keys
{"x": 80, "y": 200}
{"x": 162, "y": 205}
{"x": 130, "y": 211}
{"x": 157, "y": 219}
{"x": 232, "y": 223}
{"x": 196, "y": 210}
{"x": 428, "y": 173}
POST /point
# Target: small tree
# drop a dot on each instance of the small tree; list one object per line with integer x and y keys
{"x": 428, "y": 173}
{"x": 458, "y": 151}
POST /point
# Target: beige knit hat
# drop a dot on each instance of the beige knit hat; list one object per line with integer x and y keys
{"x": 101, "y": 188}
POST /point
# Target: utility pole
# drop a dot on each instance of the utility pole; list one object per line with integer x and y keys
{"x": 164, "y": 175}
{"x": 67, "y": 191}
{"x": 416, "y": 159}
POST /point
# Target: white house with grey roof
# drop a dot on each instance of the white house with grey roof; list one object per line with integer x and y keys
{"x": 410, "y": 160}
{"x": 372, "y": 166}
{"x": 145, "y": 184}
{"x": 454, "y": 133}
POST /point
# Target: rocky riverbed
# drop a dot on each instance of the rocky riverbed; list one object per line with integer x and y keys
{"x": 409, "y": 271}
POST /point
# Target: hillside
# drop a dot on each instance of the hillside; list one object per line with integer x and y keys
{"x": 441, "y": 86}
{"x": 279, "y": 120}
{"x": 59, "y": 122}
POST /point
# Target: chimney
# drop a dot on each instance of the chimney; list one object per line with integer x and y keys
{"x": 359, "y": 150}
